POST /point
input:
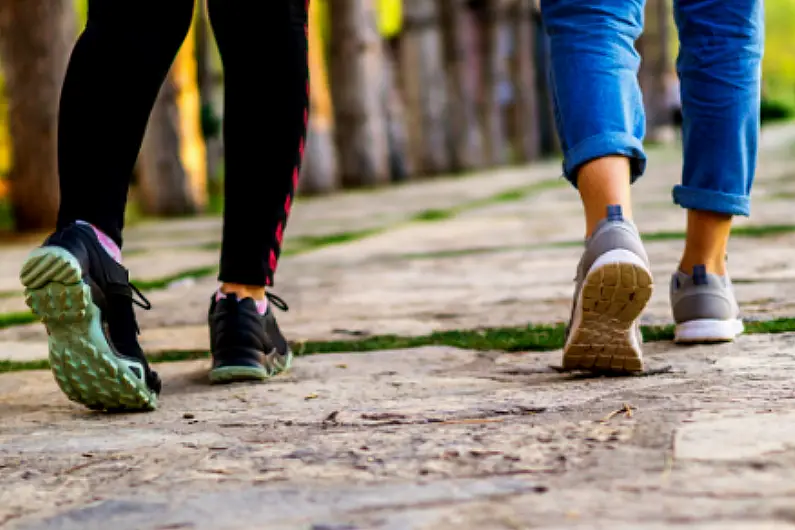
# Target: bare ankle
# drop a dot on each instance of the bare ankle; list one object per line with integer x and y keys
{"x": 707, "y": 240}
{"x": 244, "y": 291}
{"x": 604, "y": 182}
{"x": 712, "y": 265}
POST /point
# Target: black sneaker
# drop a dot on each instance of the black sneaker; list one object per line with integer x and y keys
{"x": 245, "y": 345}
{"x": 86, "y": 302}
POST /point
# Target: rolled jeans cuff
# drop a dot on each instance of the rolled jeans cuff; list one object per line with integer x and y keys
{"x": 602, "y": 145}
{"x": 712, "y": 201}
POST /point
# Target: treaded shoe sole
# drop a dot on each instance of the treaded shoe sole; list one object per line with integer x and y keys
{"x": 708, "y": 331}
{"x": 273, "y": 365}
{"x": 602, "y": 336}
{"x": 82, "y": 361}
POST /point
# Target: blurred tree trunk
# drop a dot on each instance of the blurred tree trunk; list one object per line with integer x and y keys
{"x": 173, "y": 178}
{"x": 400, "y": 163}
{"x": 466, "y": 139}
{"x": 359, "y": 116}
{"x": 550, "y": 141}
{"x": 656, "y": 63}
{"x": 36, "y": 37}
{"x": 424, "y": 86}
{"x": 319, "y": 168}
{"x": 211, "y": 98}
{"x": 491, "y": 19}
{"x": 527, "y": 136}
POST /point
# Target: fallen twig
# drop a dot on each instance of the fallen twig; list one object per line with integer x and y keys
{"x": 626, "y": 410}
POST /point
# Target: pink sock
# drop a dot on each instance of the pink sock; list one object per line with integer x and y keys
{"x": 262, "y": 305}
{"x": 107, "y": 243}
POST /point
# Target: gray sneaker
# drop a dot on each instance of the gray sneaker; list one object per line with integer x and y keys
{"x": 704, "y": 307}
{"x": 613, "y": 285}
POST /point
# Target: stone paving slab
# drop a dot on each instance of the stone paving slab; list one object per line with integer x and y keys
{"x": 434, "y": 437}
{"x": 428, "y": 438}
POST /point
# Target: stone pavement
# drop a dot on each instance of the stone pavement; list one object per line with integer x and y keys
{"x": 434, "y": 437}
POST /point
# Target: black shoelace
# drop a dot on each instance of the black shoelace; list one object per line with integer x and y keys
{"x": 143, "y": 303}
{"x": 133, "y": 296}
{"x": 276, "y": 301}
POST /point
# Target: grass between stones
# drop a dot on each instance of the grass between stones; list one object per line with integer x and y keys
{"x": 531, "y": 338}
{"x": 511, "y": 195}
{"x": 162, "y": 283}
{"x": 760, "y": 231}
{"x": 739, "y": 231}
{"x": 16, "y": 318}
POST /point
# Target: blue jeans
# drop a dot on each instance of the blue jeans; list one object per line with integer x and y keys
{"x": 599, "y": 107}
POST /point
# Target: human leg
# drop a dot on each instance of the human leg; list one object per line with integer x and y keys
{"x": 114, "y": 75}
{"x": 75, "y": 282}
{"x": 719, "y": 65}
{"x": 264, "y": 135}
{"x": 601, "y": 123}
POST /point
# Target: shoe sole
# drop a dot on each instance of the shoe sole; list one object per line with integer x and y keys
{"x": 238, "y": 374}
{"x": 708, "y": 331}
{"x": 82, "y": 361}
{"x": 602, "y": 339}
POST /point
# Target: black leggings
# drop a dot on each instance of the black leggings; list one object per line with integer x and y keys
{"x": 114, "y": 75}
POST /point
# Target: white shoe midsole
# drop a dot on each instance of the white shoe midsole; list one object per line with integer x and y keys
{"x": 706, "y": 329}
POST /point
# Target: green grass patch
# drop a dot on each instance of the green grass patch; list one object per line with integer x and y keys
{"x": 509, "y": 196}
{"x": 457, "y": 253}
{"x": 531, "y": 338}
{"x": 161, "y": 357}
{"x": 544, "y": 337}
{"x": 162, "y": 283}
{"x": 516, "y": 194}
{"x": 16, "y": 318}
{"x": 314, "y": 242}
{"x": 434, "y": 215}
{"x": 22, "y": 366}
{"x": 759, "y": 231}
{"x": 762, "y": 230}
{"x": 739, "y": 231}
{"x": 778, "y": 325}
{"x": 301, "y": 244}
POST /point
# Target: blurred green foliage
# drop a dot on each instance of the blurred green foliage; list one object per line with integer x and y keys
{"x": 778, "y": 69}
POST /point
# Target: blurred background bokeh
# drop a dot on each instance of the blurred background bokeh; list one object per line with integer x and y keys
{"x": 453, "y": 86}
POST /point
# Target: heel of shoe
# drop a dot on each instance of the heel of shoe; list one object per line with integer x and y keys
{"x": 603, "y": 336}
